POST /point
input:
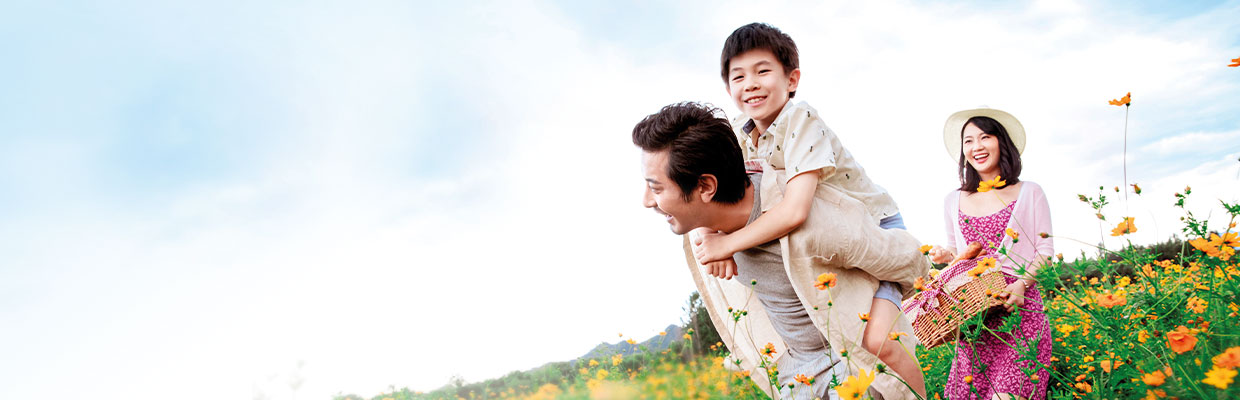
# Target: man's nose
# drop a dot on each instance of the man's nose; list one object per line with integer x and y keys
{"x": 647, "y": 198}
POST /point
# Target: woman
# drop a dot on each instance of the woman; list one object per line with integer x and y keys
{"x": 1007, "y": 214}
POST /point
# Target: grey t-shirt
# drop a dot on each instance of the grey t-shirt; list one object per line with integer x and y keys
{"x": 808, "y": 351}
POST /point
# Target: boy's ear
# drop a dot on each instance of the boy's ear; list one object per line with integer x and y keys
{"x": 793, "y": 79}
{"x": 708, "y": 185}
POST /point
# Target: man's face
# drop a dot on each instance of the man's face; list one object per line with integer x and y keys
{"x": 665, "y": 197}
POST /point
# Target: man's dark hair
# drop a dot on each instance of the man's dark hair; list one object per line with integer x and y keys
{"x": 699, "y": 141}
{"x": 760, "y": 36}
{"x": 1009, "y": 157}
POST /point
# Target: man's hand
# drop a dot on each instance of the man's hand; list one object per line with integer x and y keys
{"x": 711, "y": 247}
{"x": 940, "y": 255}
{"x": 1015, "y": 295}
{"x": 725, "y": 269}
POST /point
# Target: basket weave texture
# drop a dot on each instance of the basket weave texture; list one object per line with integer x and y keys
{"x": 939, "y": 324}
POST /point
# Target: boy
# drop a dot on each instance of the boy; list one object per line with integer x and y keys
{"x": 760, "y": 70}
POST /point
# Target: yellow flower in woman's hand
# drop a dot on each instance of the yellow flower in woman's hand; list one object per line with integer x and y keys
{"x": 855, "y": 386}
{"x": 985, "y": 186}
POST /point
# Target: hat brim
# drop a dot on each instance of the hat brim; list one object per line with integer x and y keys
{"x": 955, "y": 124}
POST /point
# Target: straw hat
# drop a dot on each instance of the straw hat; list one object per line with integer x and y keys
{"x": 955, "y": 123}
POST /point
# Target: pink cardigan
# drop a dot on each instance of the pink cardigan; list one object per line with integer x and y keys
{"x": 1030, "y": 218}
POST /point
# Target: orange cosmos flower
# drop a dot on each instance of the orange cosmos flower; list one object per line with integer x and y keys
{"x": 804, "y": 380}
{"x": 825, "y": 281}
{"x": 985, "y": 186}
{"x": 925, "y": 249}
{"x": 1124, "y": 227}
{"x": 920, "y": 284}
{"x": 1136, "y": 189}
{"x": 1197, "y": 305}
{"x": 854, "y": 387}
{"x": 1156, "y": 378}
{"x": 1229, "y": 358}
{"x": 1235, "y": 62}
{"x": 1181, "y": 340}
{"x": 865, "y": 317}
{"x": 1124, "y": 101}
{"x": 769, "y": 349}
{"x": 896, "y": 335}
{"x": 1112, "y": 299}
{"x": 1015, "y": 236}
{"x": 982, "y": 266}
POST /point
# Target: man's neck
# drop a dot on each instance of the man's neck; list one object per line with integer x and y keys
{"x": 733, "y": 217}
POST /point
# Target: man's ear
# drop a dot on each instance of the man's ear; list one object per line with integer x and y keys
{"x": 708, "y": 185}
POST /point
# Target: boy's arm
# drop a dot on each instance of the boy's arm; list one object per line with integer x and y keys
{"x": 783, "y": 218}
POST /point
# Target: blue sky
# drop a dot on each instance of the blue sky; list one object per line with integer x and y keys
{"x": 201, "y": 195}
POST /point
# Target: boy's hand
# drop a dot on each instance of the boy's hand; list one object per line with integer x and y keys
{"x": 725, "y": 269}
{"x": 711, "y": 247}
{"x": 940, "y": 255}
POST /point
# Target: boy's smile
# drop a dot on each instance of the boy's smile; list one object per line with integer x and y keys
{"x": 759, "y": 85}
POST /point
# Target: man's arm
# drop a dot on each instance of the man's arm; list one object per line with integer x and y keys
{"x": 782, "y": 219}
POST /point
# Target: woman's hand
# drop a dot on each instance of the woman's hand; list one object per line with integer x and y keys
{"x": 1014, "y": 294}
{"x": 940, "y": 255}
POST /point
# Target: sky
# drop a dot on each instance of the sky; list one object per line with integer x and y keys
{"x": 269, "y": 200}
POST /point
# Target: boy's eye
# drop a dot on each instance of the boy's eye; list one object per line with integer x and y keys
{"x": 736, "y": 78}
{"x": 763, "y": 71}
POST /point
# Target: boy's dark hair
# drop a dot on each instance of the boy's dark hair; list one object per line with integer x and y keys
{"x": 699, "y": 142}
{"x": 760, "y": 36}
{"x": 1009, "y": 157}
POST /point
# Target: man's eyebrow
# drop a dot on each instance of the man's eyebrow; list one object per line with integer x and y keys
{"x": 652, "y": 181}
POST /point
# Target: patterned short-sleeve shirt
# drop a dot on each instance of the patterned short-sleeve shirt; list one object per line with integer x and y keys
{"x": 799, "y": 141}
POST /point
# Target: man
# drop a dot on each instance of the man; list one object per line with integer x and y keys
{"x": 809, "y": 284}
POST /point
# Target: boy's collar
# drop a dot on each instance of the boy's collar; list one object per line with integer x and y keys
{"x": 749, "y": 125}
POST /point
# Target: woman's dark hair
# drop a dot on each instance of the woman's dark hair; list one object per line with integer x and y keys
{"x": 698, "y": 142}
{"x": 1009, "y": 157}
{"x": 760, "y": 36}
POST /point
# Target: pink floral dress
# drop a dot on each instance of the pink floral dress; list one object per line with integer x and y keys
{"x": 995, "y": 361}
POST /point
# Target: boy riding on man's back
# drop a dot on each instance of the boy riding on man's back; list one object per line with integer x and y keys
{"x": 760, "y": 68}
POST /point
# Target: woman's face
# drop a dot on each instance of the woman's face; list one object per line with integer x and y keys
{"x": 981, "y": 150}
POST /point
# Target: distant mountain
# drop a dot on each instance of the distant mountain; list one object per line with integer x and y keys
{"x": 655, "y": 343}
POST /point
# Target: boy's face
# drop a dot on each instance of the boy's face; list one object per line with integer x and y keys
{"x": 759, "y": 85}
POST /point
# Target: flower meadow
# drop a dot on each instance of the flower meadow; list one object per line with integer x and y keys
{"x": 1137, "y": 322}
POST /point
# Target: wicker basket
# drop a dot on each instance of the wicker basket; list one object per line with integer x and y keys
{"x": 938, "y": 325}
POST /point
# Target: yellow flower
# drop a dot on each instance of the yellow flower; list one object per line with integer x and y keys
{"x": 825, "y": 281}
{"x": 968, "y": 379}
{"x": 631, "y": 341}
{"x": 865, "y": 317}
{"x": 1142, "y": 336}
{"x": 584, "y": 371}
{"x": 925, "y": 249}
{"x": 1219, "y": 377}
{"x": 602, "y": 373}
{"x": 1084, "y": 387}
{"x": 616, "y": 359}
{"x": 982, "y": 266}
{"x": 854, "y": 387}
{"x": 663, "y": 333}
{"x": 1013, "y": 234}
{"x": 688, "y": 337}
{"x": 1197, "y": 305}
{"x": 1124, "y": 227}
{"x": 985, "y": 186}
{"x": 593, "y": 363}
{"x": 920, "y": 284}
{"x": 804, "y": 380}
{"x": 896, "y": 335}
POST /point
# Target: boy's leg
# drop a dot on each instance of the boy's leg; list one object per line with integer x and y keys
{"x": 876, "y": 339}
